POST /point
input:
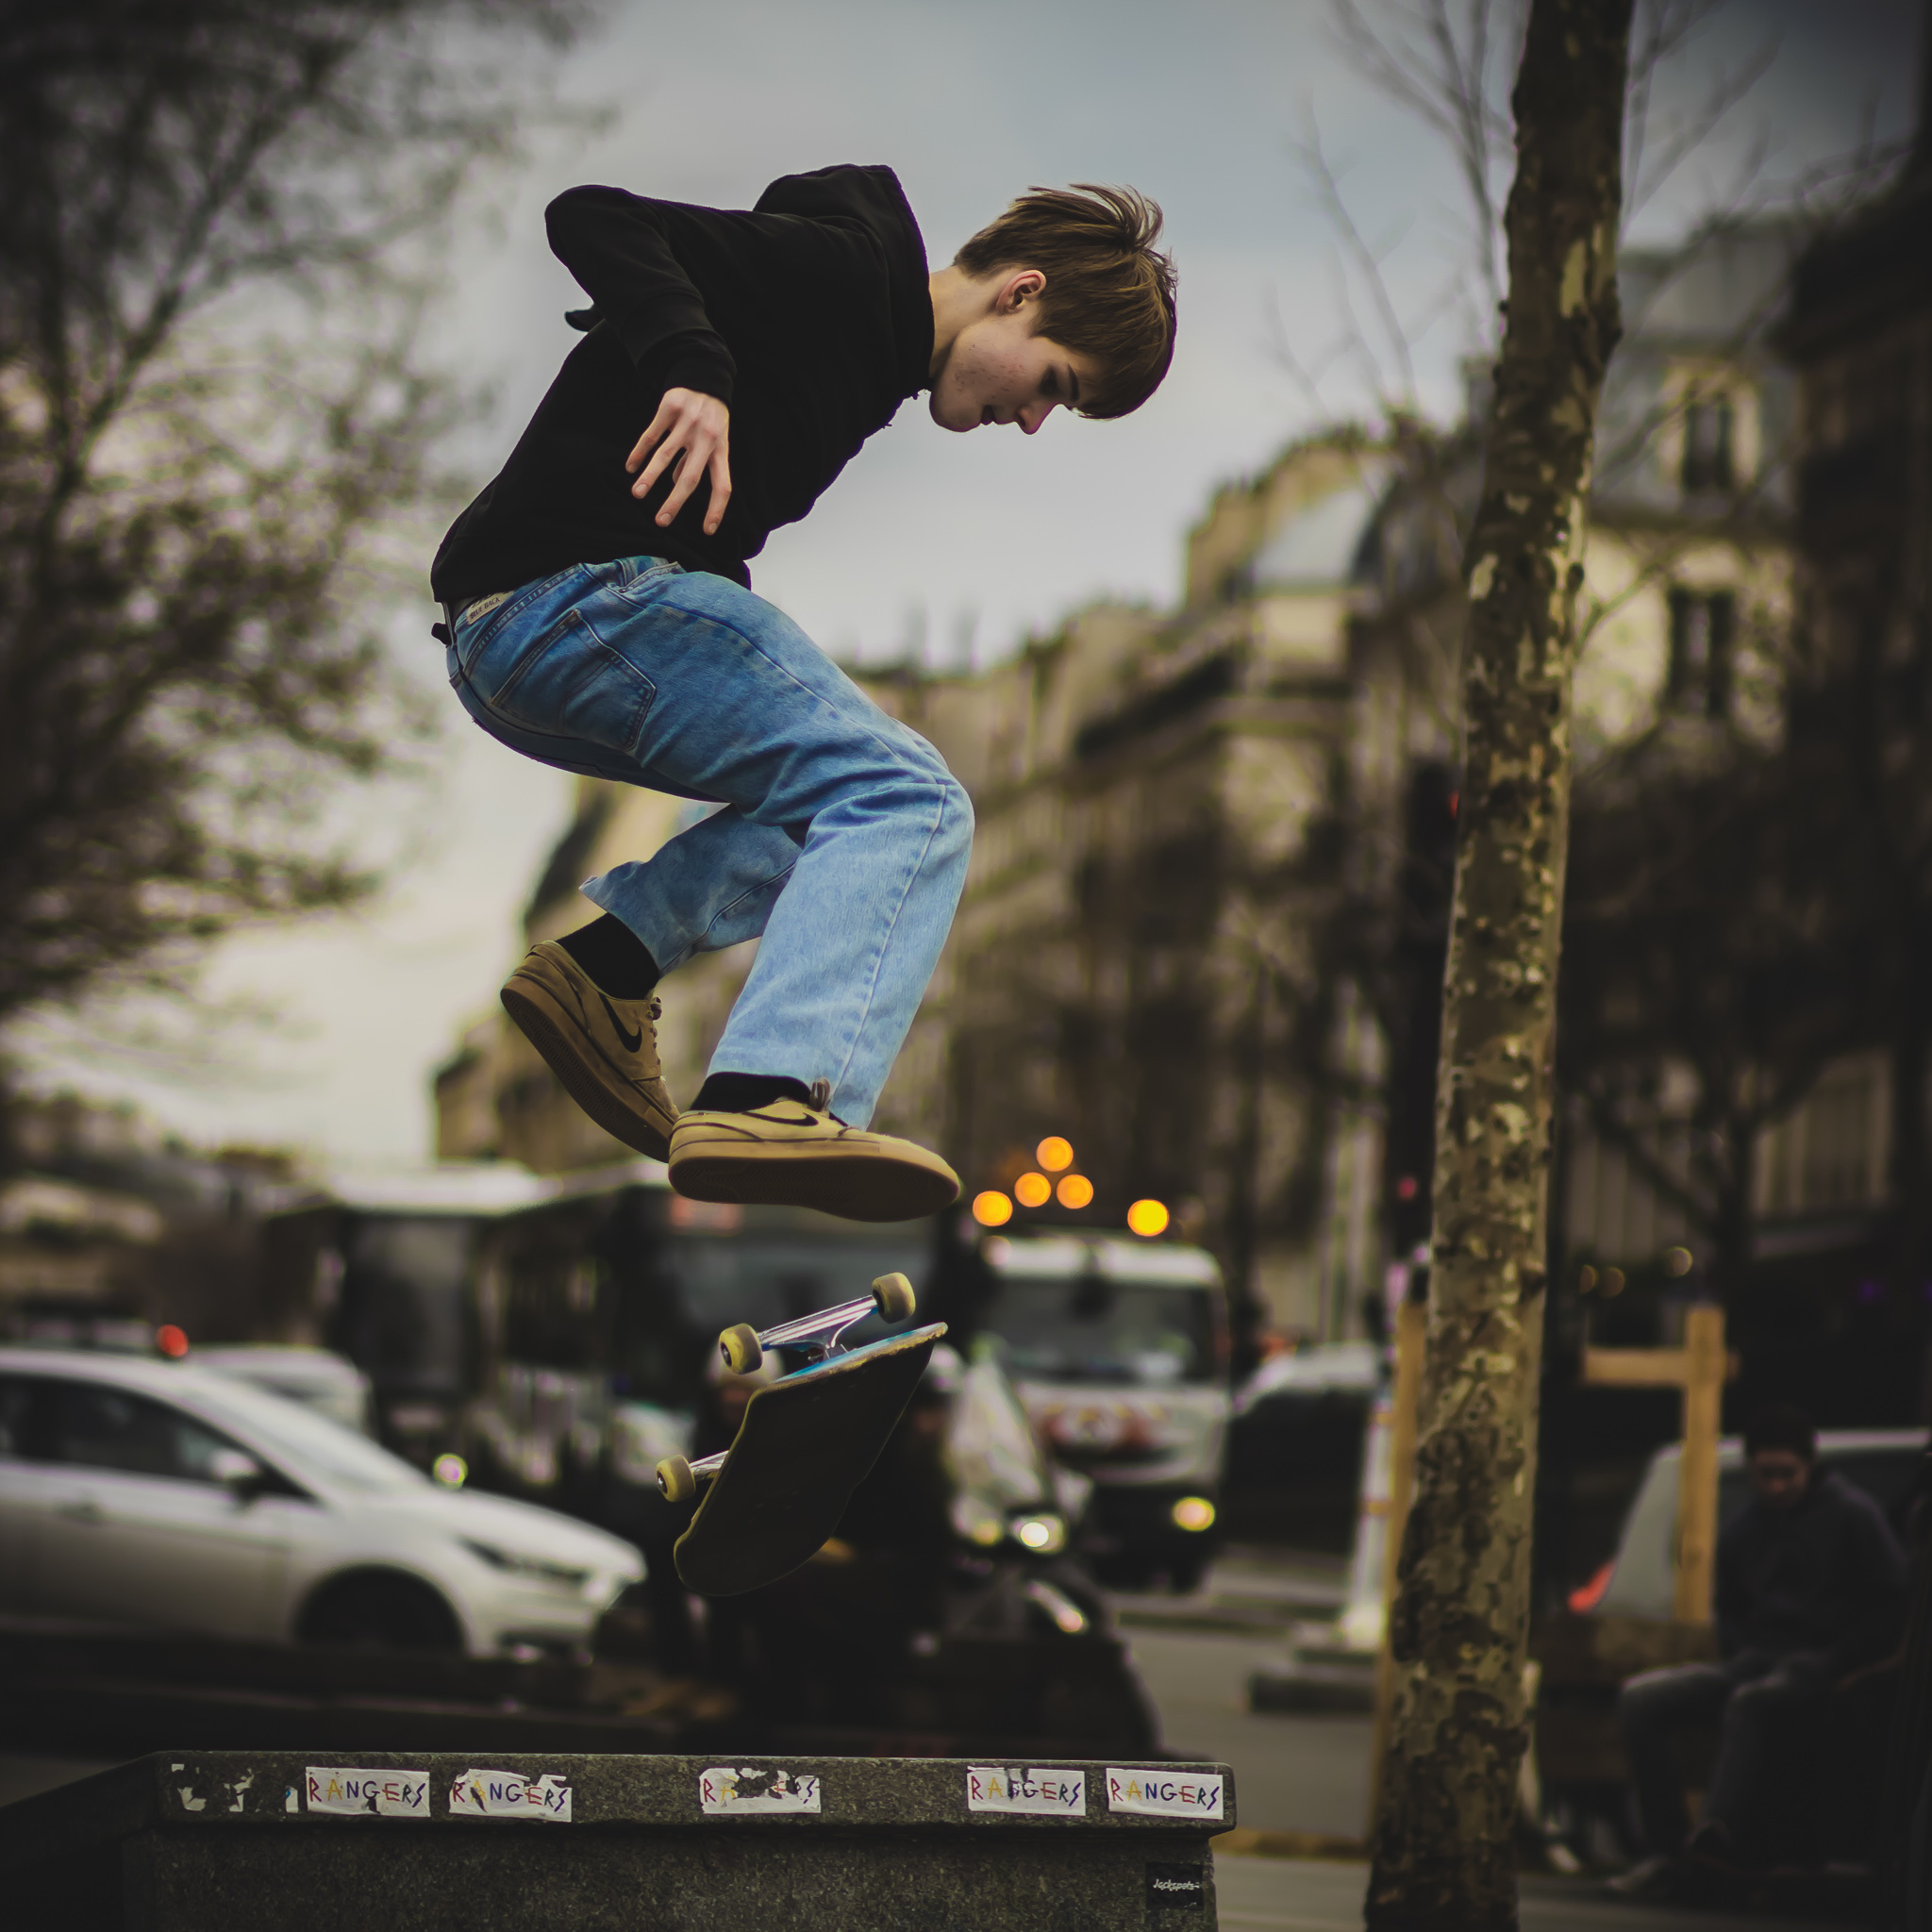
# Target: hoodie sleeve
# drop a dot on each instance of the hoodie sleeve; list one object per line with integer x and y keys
{"x": 1733, "y": 1597}
{"x": 623, "y": 250}
{"x": 1876, "y": 1586}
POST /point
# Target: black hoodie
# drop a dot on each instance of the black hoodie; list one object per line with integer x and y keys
{"x": 809, "y": 316}
{"x": 1826, "y": 1575}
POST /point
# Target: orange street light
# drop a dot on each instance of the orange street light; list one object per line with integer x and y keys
{"x": 1148, "y": 1219}
{"x": 991, "y": 1209}
{"x": 1054, "y": 1153}
{"x": 1032, "y": 1191}
{"x": 1074, "y": 1191}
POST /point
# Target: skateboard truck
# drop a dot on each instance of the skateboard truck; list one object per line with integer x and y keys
{"x": 816, "y": 1336}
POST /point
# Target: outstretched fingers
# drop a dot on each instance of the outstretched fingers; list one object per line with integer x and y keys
{"x": 690, "y": 436}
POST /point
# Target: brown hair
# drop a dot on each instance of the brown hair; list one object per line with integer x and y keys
{"x": 1109, "y": 292}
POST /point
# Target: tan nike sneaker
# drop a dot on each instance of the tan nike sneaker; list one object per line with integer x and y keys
{"x": 604, "y": 1050}
{"x": 788, "y": 1155}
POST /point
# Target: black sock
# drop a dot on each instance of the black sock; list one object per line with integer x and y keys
{"x": 617, "y": 960}
{"x": 740, "y": 1092}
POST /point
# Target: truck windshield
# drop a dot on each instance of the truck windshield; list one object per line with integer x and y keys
{"x": 1091, "y": 1329}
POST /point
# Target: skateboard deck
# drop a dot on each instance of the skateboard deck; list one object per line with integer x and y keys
{"x": 805, "y": 1444}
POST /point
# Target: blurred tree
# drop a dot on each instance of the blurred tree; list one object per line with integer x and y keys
{"x": 1759, "y": 911}
{"x": 1721, "y": 933}
{"x": 211, "y": 406}
{"x": 1442, "y": 1843}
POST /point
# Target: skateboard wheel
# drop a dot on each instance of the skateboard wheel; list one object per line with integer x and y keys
{"x": 675, "y": 1483}
{"x": 892, "y": 1297}
{"x": 739, "y": 1345}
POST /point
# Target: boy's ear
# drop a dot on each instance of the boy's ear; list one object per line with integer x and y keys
{"x": 1023, "y": 285}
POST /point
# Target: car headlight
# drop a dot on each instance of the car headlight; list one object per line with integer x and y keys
{"x": 531, "y": 1569}
{"x": 1040, "y": 1531}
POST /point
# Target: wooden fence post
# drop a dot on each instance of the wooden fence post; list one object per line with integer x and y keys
{"x": 1412, "y": 1337}
{"x": 1700, "y": 1370}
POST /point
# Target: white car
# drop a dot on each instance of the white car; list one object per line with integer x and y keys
{"x": 1639, "y": 1580}
{"x": 162, "y": 1494}
{"x": 318, "y": 1377}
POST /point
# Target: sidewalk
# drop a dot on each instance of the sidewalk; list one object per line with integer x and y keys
{"x": 1303, "y": 1895}
{"x": 1248, "y": 1590}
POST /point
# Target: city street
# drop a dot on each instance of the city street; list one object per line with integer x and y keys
{"x": 1294, "y": 1774}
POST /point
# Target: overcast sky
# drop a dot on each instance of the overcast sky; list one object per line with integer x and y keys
{"x": 963, "y": 543}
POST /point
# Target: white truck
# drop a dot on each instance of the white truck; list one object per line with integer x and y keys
{"x": 1119, "y": 1350}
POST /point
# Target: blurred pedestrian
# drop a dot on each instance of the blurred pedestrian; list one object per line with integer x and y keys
{"x": 1810, "y": 1590}
{"x": 600, "y": 619}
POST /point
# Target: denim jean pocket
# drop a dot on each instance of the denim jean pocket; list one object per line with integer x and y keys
{"x": 634, "y": 576}
{"x": 567, "y": 682}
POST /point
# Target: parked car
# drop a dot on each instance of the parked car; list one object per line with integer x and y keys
{"x": 1637, "y": 1581}
{"x": 1294, "y": 1450}
{"x": 1118, "y": 1349}
{"x": 328, "y": 1383}
{"x": 179, "y": 1497}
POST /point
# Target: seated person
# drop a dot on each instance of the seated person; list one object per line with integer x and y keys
{"x": 1811, "y": 1589}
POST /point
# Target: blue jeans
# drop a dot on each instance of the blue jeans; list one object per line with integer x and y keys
{"x": 1755, "y": 1698}
{"x": 843, "y": 838}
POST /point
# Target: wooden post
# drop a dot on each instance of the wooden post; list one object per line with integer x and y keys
{"x": 1704, "y": 1388}
{"x": 1700, "y": 1369}
{"x": 1411, "y": 1336}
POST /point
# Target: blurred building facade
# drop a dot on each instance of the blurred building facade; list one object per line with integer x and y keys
{"x": 1138, "y": 963}
{"x": 110, "y": 1226}
{"x": 1686, "y": 612}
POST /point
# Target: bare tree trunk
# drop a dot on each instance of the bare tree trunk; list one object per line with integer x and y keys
{"x": 1443, "y": 1856}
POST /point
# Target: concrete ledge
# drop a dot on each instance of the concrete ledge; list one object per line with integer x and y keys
{"x": 208, "y": 1842}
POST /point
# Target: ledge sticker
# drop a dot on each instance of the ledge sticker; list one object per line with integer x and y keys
{"x": 344, "y": 1792}
{"x": 1012, "y": 1787}
{"x": 1164, "y": 1792}
{"x": 510, "y": 1794}
{"x": 745, "y": 1790}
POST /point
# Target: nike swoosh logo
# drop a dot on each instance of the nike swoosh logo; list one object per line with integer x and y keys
{"x": 633, "y": 1038}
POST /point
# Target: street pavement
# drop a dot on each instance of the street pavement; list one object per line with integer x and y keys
{"x": 1296, "y": 1773}
{"x": 1306, "y": 1895}
{"x": 1291, "y": 1772}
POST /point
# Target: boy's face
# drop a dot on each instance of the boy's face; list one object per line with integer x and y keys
{"x": 1780, "y": 1476}
{"x": 998, "y": 371}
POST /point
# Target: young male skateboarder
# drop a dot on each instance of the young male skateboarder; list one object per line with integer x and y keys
{"x": 601, "y": 620}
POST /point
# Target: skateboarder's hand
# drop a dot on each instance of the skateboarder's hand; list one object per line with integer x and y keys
{"x": 691, "y": 436}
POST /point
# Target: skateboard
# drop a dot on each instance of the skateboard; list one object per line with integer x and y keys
{"x": 805, "y": 1444}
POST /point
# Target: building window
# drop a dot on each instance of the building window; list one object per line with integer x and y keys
{"x": 1838, "y": 1144}
{"x": 1707, "y": 445}
{"x": 1703, "y": 623}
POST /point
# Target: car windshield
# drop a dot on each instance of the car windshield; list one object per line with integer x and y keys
{"x": 307, "y": 1442}
{"x": 1091, "y": 1329}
